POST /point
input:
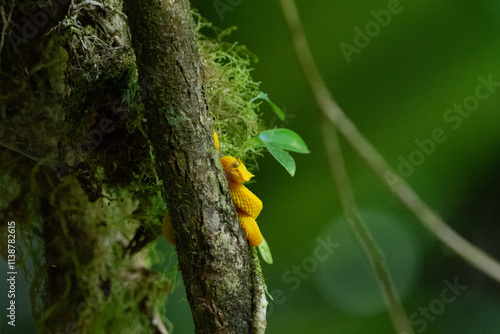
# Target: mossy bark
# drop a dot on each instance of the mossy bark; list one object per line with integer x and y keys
{"x": 211, "y": 246}
{"x": 62, "y": 121}
{"x": 75, "y": 143}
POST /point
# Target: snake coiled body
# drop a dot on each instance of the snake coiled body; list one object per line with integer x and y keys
{"x": 248, "y": 206}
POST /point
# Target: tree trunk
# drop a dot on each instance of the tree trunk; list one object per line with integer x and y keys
{"x": 213, "y": 252}
{"x": 83, "y": 153}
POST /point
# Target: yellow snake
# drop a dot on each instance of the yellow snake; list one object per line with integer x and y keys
{"x": 248, "y": 206}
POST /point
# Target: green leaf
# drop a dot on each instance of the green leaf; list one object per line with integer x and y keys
{"x": 283, "y": 158}
{"x": 284, "y": 139}
{"x": 277, "y": 110}
{"x": 267, "y": 292}
{"x": 265, "y": 251}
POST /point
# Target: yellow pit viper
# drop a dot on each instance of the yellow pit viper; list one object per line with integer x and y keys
{"x": 248, "y": 206}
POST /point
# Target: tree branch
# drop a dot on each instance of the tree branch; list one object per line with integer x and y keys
{"x": 429, "y": 218}
{"x": 212, "y": 248}
{"x": 363, "y": 235}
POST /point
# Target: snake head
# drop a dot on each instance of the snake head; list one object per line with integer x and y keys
{"x": 235, "y": 170}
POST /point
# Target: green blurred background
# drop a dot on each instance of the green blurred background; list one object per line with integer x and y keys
{"x": 397, "y": 90}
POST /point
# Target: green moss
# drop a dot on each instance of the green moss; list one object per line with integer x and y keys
{"x": 229, "y": 88}
{"x": 11, "y": 189}
{"x": 89, "y": 219}
{"x": 112, "y": 292}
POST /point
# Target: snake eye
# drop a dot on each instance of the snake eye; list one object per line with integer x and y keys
{"x": 236, "y": 164}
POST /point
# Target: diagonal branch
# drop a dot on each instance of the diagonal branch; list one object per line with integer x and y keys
{"x": 362, "y": 233}
{"x": 213, "y": 252}
{"x": 6, "y": 23}
{"x": 429, "y": 218}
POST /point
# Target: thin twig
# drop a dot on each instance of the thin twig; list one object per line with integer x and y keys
{"x": 383, "y": 277}
{"x": 429, "y": 218}
{"x": 362, "y": 233}
{"x": 6, "y": 22}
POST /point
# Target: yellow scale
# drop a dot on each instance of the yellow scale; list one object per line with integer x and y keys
{"x": 247, "y": 204}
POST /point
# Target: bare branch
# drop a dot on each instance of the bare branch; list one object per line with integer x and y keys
{"x": 362, "y": 233}
{"x": 429, "y": 218}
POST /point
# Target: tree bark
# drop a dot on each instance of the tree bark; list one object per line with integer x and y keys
{"x": 84, "y": 127}
{"x": 213, "y": 252}
{"x": 69, "y": 244}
